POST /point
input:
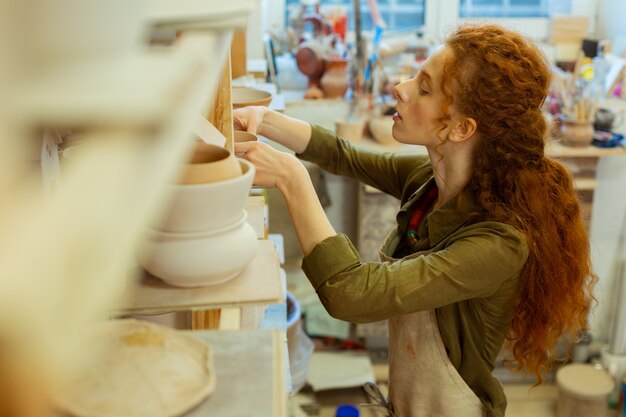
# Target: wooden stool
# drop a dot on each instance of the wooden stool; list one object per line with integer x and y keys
{"x": 583, "y": 391}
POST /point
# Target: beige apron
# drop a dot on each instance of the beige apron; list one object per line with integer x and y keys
{"x": 422, "y": 380}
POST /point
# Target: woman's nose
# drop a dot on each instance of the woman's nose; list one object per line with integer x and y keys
{"x": 399, "y": 91}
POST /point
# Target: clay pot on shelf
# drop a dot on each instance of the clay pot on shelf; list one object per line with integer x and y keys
{"x": 576, "y": 133}
{"x": 605, "y": 119}
{"x": 202, "y": 207}
{"x": 200, "y": 259}
{"x": 350, "y": 130}
{"x": 247, "y": 96}
{"x": 209, "y": 163}
{"x": 381, "y": 129}
{"x": 335, "y": 81}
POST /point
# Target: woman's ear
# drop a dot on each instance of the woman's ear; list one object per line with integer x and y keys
{"x": 463, "y": 130}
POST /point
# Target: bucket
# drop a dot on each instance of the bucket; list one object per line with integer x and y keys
{"x": 583, "y": 391}
{"x": 299, "y": 345}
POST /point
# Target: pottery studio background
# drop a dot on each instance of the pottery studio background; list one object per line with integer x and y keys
{"x": 131, "y": 232}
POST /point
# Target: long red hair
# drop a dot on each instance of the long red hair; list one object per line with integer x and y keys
{"x": 500, "y": 79}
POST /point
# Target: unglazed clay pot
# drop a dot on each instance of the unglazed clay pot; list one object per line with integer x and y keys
{"x": 350, "y": 130}
{"x": 203, "y": 207}
{"x": 335, "y": 81}
{"x": 241, "y": 136}
{"x": 200, "y": 259}
{"x": 577, "y": 133}
{"x": 247, "y": 96}
{"x": 381, "y": 129}
{"x": 209, "y": 163}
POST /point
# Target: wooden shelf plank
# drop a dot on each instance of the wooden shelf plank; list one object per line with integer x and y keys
{"x": 249, "y": 365}
{"x": 556, "y": 150}
{"x": 553, "y": 149}
{"x": 255, "y": 206}
{"x": 258, "y": 283}
{"x": 585, "y": 184}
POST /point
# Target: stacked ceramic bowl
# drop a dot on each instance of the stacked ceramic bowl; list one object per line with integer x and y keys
{"x": 204, "y": 238}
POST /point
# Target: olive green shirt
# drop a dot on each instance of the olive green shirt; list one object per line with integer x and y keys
{"x": 466, "y": 267}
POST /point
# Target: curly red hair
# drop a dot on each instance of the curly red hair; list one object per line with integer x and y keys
{"x": 500, "y": 79}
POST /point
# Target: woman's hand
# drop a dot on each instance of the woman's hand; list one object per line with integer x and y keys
{"x": 249, "y": 118}
{"x": 285, "y": 172}
{"x": 273, "y": 168}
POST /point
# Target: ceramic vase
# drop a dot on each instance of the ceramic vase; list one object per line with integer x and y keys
{"x": 335, "y": 81}
{"x": 577, "y": 133}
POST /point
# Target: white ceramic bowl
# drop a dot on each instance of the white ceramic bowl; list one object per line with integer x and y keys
{"x": 204, "y": 207}
{"x": 200, "y": 259}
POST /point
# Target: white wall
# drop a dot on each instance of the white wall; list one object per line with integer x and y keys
{"x": 611, "y": 17}
{"x": 257, "y": 25}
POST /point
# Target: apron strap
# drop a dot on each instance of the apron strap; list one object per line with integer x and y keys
{"x": 379, "y": 403}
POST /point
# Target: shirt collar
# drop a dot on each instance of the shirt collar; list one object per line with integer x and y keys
{"x": 444, "y": 220}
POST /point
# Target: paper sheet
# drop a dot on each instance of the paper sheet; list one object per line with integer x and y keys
{"x": 328, "y": 370}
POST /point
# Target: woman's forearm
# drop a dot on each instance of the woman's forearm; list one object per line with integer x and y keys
{"x": 289, "y": 132}
{"x": 309, "y": 219}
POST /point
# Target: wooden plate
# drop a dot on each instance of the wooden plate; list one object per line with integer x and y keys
{"x": 143, "y": 370}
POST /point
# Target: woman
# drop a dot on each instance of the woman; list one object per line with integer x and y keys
{"x": 489, "y": 248}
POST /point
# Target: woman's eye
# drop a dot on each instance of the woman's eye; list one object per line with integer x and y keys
{"x": 423, "y": 92}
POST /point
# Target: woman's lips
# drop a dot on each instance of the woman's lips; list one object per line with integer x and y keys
{"x": 396, "y": 117}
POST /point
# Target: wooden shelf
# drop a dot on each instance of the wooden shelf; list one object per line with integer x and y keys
{"x": 553, "y": 149}
{"x": 258, "y": 283}
{"x": 585, "y": 184}
{"x": 251, "y": 374}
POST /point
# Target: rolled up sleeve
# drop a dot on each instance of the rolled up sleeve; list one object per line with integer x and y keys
{"x": 385, "y": 171}
{"x": 474, "y": 264}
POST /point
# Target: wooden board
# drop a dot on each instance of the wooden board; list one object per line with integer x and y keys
{"x": 221, "y": 113}
{"x": 255, "y": 206}
{"x": 238, "y": 54}
{"x": 250, "y": 375}
{"x": 258, "y": 283}
{"x": 568, "y": 29}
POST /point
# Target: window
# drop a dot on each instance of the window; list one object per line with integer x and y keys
{"x": 513, "y": 8}
{"x": 398, "y": 14}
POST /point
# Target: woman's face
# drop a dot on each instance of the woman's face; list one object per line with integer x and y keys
{"x": 418, "y": 103}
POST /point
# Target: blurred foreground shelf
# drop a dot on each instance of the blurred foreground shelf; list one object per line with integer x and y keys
{"x": 140, "y": 91}
{"x": 200, "y": 14}
{"x": 258, "y": 283}
{"x": 251, "y": 372}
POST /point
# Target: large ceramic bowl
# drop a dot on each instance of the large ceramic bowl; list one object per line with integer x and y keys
{"x": 203, "y": 207}
{"x": 209, "y": 163}
{"x": 246, "y": 96}
{"x": 200, "y": 259}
